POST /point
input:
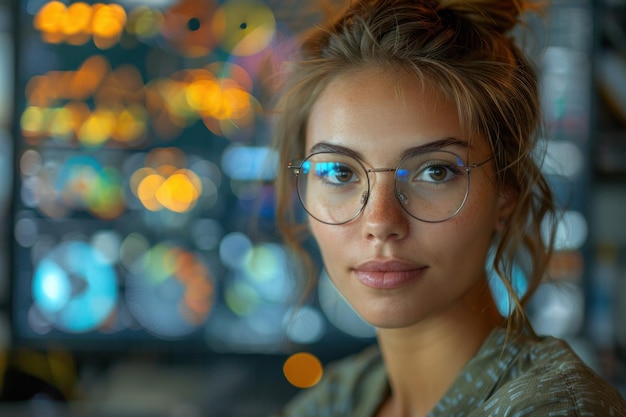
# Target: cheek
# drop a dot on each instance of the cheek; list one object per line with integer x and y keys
{"x": 323, "y": 234}
{"x": 470, "y": 233}
{"x": 480, "y": 210}
{"x": 332, "y": 242}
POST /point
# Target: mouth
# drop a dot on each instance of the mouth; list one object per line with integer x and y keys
{"x": 388, "y": 274}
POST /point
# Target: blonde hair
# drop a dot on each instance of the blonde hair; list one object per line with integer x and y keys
{"x": 464, "y": 49}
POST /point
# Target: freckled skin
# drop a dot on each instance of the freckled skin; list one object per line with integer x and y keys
{"x": 366, "y": 113}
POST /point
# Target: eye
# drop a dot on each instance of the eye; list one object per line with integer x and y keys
{"x": 436, "y": 172}
{"x": 337, "y": 173}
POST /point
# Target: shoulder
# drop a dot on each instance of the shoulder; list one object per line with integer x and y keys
{"x": 548, "y": 378}
{"x": 355, "y": 380}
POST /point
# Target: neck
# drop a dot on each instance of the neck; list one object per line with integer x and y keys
{"x": 424, "y": 360}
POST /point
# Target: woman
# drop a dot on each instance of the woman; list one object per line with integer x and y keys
{"x": 409, "y": 129}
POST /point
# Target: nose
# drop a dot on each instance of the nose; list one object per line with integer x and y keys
{"x": 383, "y": 218}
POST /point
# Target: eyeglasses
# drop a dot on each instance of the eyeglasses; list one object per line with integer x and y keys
{"x": 431, "y": 186}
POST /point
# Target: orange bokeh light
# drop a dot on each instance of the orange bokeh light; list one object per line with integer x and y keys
{"x": 166, "y": 187}
{"x": 76, "y": 23}
{"x": 146, "y": 191}
{"x": 303, "y": 370}
{"x": 76, "y": 19}
{"x": 193, "y": 41}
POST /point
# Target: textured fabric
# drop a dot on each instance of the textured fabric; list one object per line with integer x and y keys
{"x": 512, "y": 378}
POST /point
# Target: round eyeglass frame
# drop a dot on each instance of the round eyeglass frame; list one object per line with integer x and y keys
{"x": 296, "y": 166}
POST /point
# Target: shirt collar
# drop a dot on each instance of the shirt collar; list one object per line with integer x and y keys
{"x": 479, "y": 378}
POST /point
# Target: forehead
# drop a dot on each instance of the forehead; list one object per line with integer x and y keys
{"x": 376, "y": 112}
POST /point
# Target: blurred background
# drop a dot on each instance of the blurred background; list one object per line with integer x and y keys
{"x": 141, "y": 272}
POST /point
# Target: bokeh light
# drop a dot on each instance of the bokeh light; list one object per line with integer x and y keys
{"x": 572, "y": 231}
{"x": 187, "y": 27}
{"x": 339, "y": 312}
{"x": 58, "y": 108}
{"x": 58, "y": 187}
{"x": 144, "y": 22}
{"x": 563, "y": 158}
{"x": 233, "y": 249}
{"x": 567, "y": 265}
{"x": 265, "y": 265}
{"x": 303, "y": 370}
{"x": 142, "y": 136}
{"x": 501, "y": 296}
{"x": 26, "y": 231}
{"x": 165, "y": 182}
{"x": 558, "y": 309}
{"x": 306, "y": 325}
{"x": 170, "y": 290}
{"x": 261, "y": 274}
{"x": 96, "y": 104}
{"x": 79, "y": 22}
{"x": 74, "y": 288}
{"x": 132, "y": 249}
{"x": 247, "y": 163}
{"x": 107, "y": 243}
{"x": 245, "y": 27}
{"x": 219, "y": 94}
{"x": 207, "y": 234}
{"x": 107, "y": 24}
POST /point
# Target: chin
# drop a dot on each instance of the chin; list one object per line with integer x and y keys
{"x": 389, "y": 319}
{"x": 386, "y": 324}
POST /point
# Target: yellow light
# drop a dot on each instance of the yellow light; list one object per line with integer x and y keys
{"x": 61, "y": 124}
{"x": 130, "y": 124}
{"x": 79, "y": 113}
{"x": 176, "y": 101}
{"x": 147, "y": 189}
{"x": 203, "y": 95}
{"x": 98, "y": 128}
{"x": 144, "y": 22}
{"x": 137, "y": 177}
{"x": 33, "y": 121}
{"x": 241, "y": 298}
{"x": 237, "y": 101}
{"x": 166, "y": 186}
{"x": 105, "y": 199}
{"x": 108, "y": 20}
{"x": 235, "y": 73}
{"x": 107, "y": 24}
{"x": 48, "y": 19}
{"x": 245, "y": 27}
{"x": 76, "y": 19}
{"x": 178, "y": 192}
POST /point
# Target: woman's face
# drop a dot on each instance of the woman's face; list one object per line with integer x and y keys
{"x": 395, "y": 270}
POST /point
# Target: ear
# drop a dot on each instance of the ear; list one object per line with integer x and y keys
{"x": 507, "y": 199}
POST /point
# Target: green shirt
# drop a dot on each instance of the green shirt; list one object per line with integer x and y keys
{"x": 519, "y": 377}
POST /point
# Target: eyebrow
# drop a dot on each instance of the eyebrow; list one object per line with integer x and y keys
{"x": 436, "y": 145}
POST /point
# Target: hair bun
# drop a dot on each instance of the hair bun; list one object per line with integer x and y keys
{"x": 498, "y": 15}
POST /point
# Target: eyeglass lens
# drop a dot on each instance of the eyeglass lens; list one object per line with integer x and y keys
{"x": 431, "y": 186}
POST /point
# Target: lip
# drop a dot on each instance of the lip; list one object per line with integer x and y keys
{"x": 389, "y": 274}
